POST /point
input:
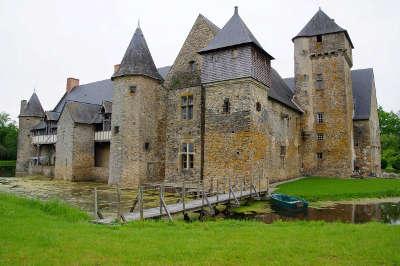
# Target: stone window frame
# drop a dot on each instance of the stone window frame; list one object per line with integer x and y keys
{"x": 320, "y": 156}
{"x": 320, "y": 136}
{"x": 186, "y": 106}
{"x": 282, "y": 154}
{"x": 186, "y": 155}
{"x": 226, "y": 107}
{"x": 258, "y": 106}
{"x": 319, "y": 81}
{"x": 192, "y": 66}
{"x": 320, "y": 118}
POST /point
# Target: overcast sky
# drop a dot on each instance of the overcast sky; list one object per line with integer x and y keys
{"x": 44, "y": 42}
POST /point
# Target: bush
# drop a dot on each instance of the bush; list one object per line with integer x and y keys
{"x": 384, "y": 163}
{"x": 396, "y": 163}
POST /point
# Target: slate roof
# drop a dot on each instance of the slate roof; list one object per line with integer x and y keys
{"x": 33, "y": 107}
{"x": 164, "y": 71}
{"x": 84, "y": 113}
{"x": 137, "y": 59}
{"x": 362, "y": 84}
{"x": 280, "y": 92}
{"x": 320, "y": 24}
{"x": 52, "y": 116}
{"x": 234, "y": 33}
{"x": 93, "y": 93}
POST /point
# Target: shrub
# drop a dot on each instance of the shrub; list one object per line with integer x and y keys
{"x": 384, "y": 163}
{"x": 396, "y": 163}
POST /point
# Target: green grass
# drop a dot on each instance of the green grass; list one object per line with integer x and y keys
{"x": 37, "y": 233}
{"x": 7, "y": 163}
{"x": 323, "y": 188}
{"x": 252, "y": 207}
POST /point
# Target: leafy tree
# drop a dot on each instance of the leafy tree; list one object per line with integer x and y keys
{"x": 8, "y": 137}
{"x": 396, "y": 162}
{"x": 389, "y": 123}
{"x": 384, "y": 163}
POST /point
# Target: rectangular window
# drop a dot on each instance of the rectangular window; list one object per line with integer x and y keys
{"x": 319, "y": 38}
{"x": 187, "y": 107}
{"x": 226, "y": 109}
{"x": 187, "y": 156}
{"x": 319, "y": 81}
{"x": 319, "y": 155}
{"x": 283, "y": 154}
{"x": 320, "y": 136}
{"x": 320, "y": 118}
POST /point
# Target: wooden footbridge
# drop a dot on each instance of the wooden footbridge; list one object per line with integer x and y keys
{"x": 151, "y": 199}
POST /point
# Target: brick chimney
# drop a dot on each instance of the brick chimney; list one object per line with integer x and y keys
{"x": 72, "y": 83}
{"x": 116, "y": 68}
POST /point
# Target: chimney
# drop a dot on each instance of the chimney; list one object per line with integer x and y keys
{"x": 116, "y": 68}
{"x": 72, "y": 83}
{"x": 23, "y": 106}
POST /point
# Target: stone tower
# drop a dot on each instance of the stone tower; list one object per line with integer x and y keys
{"x": 236, "y": 76}
{"x": 31, "y": 113}
{"x": 138, "y": 129}
{"x": 323, "y": 89}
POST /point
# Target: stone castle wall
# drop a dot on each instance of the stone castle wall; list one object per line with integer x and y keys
{"x": 323, "y": 85}
{"x": 25, "y": 149}
{"x": 137, "y": 120}
{"x": 367, "y": 142}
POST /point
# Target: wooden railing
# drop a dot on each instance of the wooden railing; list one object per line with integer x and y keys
{"x": 102, "y": 136}
{"x": 44, "y": 139}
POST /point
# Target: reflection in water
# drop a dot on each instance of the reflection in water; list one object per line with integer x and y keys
{"x": 388, "y": 212}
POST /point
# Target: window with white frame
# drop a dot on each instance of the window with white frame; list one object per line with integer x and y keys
{"x": 187, "y": 156}
{"x": 187, "y": 107}
{"x": 320, "y": 118}
{"x": 320, "y": 136}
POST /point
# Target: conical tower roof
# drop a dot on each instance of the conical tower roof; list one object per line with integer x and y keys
{"x": 33, "y": 107}
{"x": 234, "y": 33}
{"x": 321, "y": 24}
{"x": 137, "y": 59}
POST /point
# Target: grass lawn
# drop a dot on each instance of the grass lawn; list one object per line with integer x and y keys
{"x": 37, "y": 233}
{"x": 323, "y": 188}
{"x": 7, "y": 163}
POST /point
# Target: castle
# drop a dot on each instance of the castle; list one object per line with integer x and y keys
{"x": 219, "y": 110}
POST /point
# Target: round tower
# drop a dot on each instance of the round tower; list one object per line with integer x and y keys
{"x": 137, "y": 152}
{"x": 31, "y": 113}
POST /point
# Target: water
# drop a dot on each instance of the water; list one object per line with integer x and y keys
{"x": 7, "y": 171}
{"x": 386, "y": 212}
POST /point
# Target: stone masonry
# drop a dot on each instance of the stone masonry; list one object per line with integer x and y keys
{"x": 221, "y": 110}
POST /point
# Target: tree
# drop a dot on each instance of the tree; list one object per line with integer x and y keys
{"x": 389, "y": 123}
{"x": 8, "y": 137}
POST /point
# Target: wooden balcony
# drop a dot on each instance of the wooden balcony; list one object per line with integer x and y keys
{"x": 44, "y": 139}
{"x": 102, "y": 136}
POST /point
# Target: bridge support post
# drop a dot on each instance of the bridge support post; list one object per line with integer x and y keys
{"x": 141, "y": 202}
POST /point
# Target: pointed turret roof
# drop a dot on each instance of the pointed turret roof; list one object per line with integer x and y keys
{"x": 320, "y": 24}
{"x": 137, "y": 59}
{"x": 33, "y": 107}
{"x": 234, "y": 33}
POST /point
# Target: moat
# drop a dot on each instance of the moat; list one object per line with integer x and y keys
{"x": 80, "y": 194}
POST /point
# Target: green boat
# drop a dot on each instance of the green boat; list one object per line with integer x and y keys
{"x": 288, "y": 202}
